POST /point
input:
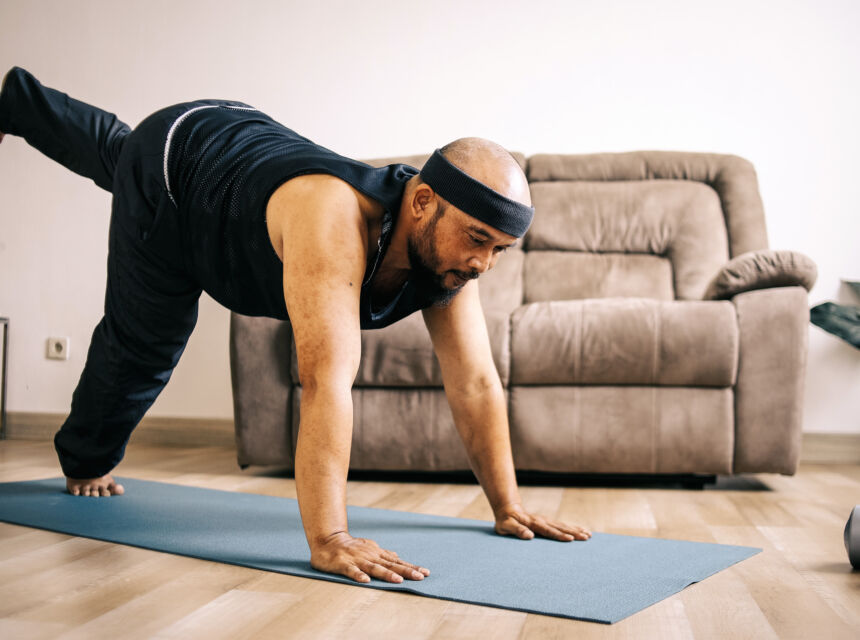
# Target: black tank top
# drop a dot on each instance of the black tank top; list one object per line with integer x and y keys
{"x": 222, "y": 163}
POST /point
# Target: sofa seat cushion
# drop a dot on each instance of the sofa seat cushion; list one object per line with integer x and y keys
{"x": 622, "y": 429}
{"x": 632, "y": 341}
{"x": 401, "y": 354}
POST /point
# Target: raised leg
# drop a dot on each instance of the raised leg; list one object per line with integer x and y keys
{"x": 79, "y": 136}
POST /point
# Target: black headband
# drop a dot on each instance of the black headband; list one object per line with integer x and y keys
{"x": 475, "y": 198}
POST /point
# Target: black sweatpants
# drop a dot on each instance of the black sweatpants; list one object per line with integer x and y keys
{"x": 151, "y": 301}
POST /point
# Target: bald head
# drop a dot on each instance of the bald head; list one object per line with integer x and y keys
{"x": 491, "y": 164}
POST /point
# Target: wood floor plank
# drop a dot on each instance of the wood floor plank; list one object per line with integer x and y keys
{"x": 461, "y": 621}
{"x": 791, "y": 606}
{"x": 449, "y": 500}
{"x": 52, "y": 553}
{"x": 234, "y": 615}
{"x": 30, "y": 630}
{"x": 607, "y": 510}
{"x": 18, "y": 595}
{"x": 16, "y": 540}
{"x": 110, "y": 589}
{"x": 724, "y": 608}
{"x": 326, "y": 610}
{"x": 399, "y": 615}
{"x": 820, "y": 561}
{"x": 147, "y": 614}
{"x": 664, "y": 620}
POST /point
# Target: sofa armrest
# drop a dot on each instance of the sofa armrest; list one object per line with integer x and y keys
{"x": 262, "y": 387}
{"x": 762, "y": 270}
{"x": 773, "y": 328}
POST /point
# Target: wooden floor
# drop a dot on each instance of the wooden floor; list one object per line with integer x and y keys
{"x": 801, "y": 586}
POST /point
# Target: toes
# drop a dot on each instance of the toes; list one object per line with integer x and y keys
{"x": 117, "y": 489}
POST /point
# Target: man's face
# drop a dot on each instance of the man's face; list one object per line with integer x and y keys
{"x": 451, "y": 249}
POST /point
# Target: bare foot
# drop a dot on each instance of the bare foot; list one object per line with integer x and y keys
{"x": 94, "y": 487}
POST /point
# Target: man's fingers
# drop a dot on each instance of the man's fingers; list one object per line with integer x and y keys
{"x": 395, "y": 559}
{"x": 404, "y": 569}
{"x": 523, "y": 532}
{"x": 380, "y": 572}
{"x": 558, "y": 531}
{"x": 356, "y": 574}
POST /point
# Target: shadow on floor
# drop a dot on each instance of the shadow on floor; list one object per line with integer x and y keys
{"x": 546, "y": 479}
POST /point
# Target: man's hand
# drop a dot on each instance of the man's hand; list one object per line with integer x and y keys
{"x": 513, "y": 520}
{"x": 361, "y": 559}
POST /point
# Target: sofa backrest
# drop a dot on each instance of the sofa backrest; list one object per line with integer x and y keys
{"x": 650, "y": 224}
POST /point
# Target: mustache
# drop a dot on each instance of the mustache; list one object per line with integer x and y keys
{"x": 466, "y": 275}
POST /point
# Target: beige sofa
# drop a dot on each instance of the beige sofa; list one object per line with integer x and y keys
{"x": 611, "y": 359}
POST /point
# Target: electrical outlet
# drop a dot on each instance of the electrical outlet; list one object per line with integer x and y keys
{"x": 57, "y": 349}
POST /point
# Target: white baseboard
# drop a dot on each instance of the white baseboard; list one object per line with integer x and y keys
{"x": 186, "y": 432}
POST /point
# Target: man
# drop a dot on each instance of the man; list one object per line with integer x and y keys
{"x": 215, "y": 196}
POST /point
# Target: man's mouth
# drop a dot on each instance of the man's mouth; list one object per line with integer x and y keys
{"x": 461, "y": 278}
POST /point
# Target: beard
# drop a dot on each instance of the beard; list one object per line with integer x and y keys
{"x": 424, "y": 264}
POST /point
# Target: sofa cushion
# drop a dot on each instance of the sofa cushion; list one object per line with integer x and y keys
{"x": 625, "y": 341}
{"x": 401, "y": 354}
{"x": 501, "y": 288}
{"x": 596, "y": 275}
{"x": 622, "y": 429}
{"x": 678, "y": 220}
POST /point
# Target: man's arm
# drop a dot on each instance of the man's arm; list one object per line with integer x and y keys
{"x": 324, "y": 256}
{"x": 474, "y": 391}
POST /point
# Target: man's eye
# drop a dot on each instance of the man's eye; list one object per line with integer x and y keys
{"x": 476, "y": 240}
{"x": 501, "y": 249}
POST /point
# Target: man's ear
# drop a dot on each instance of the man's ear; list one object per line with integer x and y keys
{"x": 424, "y": 201}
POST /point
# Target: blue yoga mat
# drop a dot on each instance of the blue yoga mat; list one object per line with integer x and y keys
{"x": 604, "y": 579}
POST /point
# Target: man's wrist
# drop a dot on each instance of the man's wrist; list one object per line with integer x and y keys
{"x": 322, "y": 540}
{"x": 507, "y": 507}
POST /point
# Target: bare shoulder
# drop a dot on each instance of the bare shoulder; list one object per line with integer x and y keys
{"x": 313, "y": 204}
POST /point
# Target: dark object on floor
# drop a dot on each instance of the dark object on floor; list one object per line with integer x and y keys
{"x": 852, "y": 537}
{"x": 841, "y": 320}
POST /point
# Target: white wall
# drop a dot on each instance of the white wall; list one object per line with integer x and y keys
{"x": 774, "y": 81}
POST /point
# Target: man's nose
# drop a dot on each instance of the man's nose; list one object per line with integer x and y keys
{"x": 481, "y": 262}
